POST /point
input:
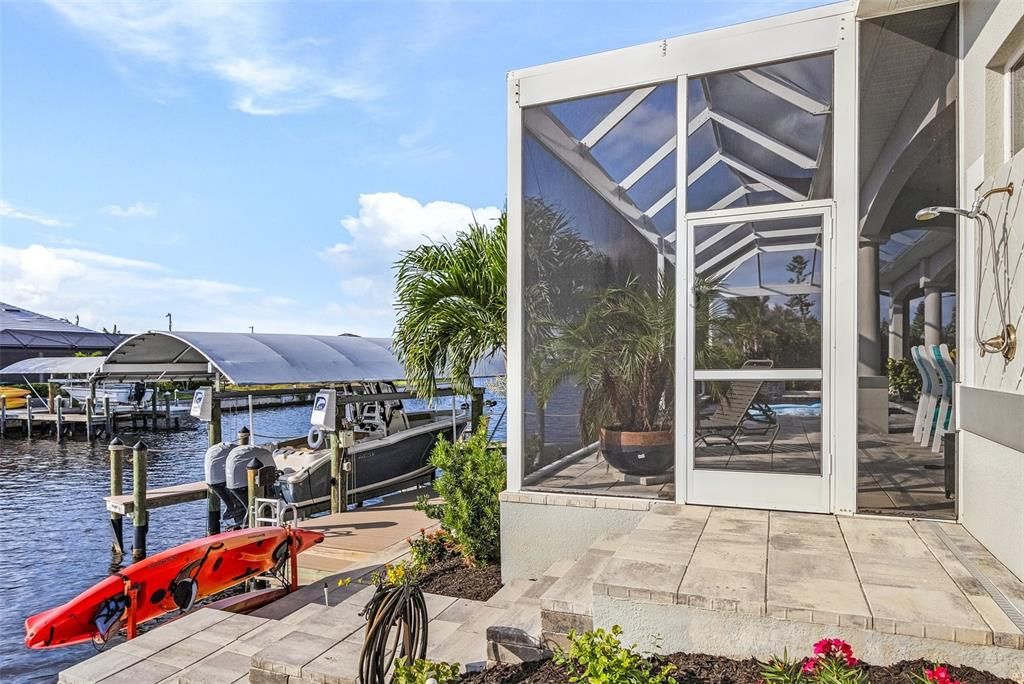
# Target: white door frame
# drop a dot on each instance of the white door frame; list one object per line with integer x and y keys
{"x": 746, "y": 489}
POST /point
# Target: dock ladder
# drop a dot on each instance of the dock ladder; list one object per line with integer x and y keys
{"x": 274, "y": 512}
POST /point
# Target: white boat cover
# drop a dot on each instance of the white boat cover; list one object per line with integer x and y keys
{"x": 55, "y": 365}
{"x": 261, "y": 359}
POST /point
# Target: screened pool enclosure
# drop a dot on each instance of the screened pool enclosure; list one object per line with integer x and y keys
{"x": 684, "y": 236}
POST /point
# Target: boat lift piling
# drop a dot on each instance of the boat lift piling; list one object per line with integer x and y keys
{"x": 60, "y": 420}
{"x": 88, "y": 419}
{"x": 3, "y": 416}
{"x": 107, "y": 417}
{"x": 117, "y": 449}
{"x": 140, "y": 516}
{"x": 213, "y": 435}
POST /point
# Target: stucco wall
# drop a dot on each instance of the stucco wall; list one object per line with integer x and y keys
{"x": 992, "y": 457}
{"x": 539, "y": 529}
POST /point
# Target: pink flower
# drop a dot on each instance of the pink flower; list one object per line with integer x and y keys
{"x": 809, "y": 665}
{"x": 940, "y": 675}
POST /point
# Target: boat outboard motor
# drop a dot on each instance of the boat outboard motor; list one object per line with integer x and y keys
{"x": 214, "y": 463}
{"x": 235, "y": 476}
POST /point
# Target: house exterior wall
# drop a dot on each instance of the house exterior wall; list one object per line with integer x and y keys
{"x": 991, "y": 395}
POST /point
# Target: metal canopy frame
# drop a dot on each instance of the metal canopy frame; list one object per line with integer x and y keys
{"x": 260, "y": 359}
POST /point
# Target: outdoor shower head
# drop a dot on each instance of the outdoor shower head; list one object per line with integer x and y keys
{"x": 928, "y": 213}
{"x": 1005, "y": 342}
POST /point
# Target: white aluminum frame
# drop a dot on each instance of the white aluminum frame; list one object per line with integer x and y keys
{"x": 819, "y": 30}
{"x": 771, "y": 490}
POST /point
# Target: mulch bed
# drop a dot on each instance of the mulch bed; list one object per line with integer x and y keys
{"x": 696, "y": 668}
{"x": 452, "y": 577}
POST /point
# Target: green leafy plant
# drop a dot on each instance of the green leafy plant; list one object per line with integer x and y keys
{"x": 904, "y": 380}
{"x": 472, "y": 477}
{"x": 436, "y": 547}
{"x": 397, "y": 574}
{"x": 621, "y": 353}
{"x": 420, "y": 671}
{"x": 598, "y": 657}
{"x": 451, "y": 306}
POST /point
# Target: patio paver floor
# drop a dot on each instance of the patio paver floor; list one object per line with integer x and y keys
{"x": 892, "y": 576}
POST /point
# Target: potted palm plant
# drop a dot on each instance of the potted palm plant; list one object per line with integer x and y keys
{"x": 621, "y": 354}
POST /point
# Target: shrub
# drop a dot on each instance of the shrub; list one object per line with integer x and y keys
{"x": 599, "y": 657}
{"x": 397, "y": 574}
{"x": 436, "y": 547}
{"x": 472, "y": 476}
{"x": 420, "y": 671}
{"x": 904, "y": 380}
{"x": 832, "y": 663}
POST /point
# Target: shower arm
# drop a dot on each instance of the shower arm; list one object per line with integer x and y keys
{"x": 1005, "y": 342}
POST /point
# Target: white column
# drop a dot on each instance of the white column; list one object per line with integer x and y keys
{"x": 868, "y": 320}
{"x": 896, "y": 328}
{"x": 932, "y": 315}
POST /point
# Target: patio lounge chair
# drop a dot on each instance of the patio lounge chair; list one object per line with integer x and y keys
{"x": 946, "y": 370}
{"x": 740, "y": 414}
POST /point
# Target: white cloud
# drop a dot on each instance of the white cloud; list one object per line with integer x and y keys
{"x": 387, "y": 224}
{"x": 236, "y": 42}
{"x": 137, "y": 210}
{"x": 104, "y": 289}
{"x": 11, "y": 212}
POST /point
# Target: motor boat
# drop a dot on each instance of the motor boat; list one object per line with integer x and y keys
{"x": 381, "y": 461}
{"x": 391, "y": 451}
{"x": 125, "y": 393}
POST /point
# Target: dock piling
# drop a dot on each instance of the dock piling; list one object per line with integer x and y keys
{"x": 3, "y": 416}
{"x": 252, "y": 473}
{"x": 140, "y": 516}
{"x": 212, "y": 500}
{"x": 116, "y": 489}
{"x": 476, "y": 410}
{"x": 107, "y": 417}
{"x": 60, "y": 420}
{"x": 28, "y": 419}
{"x": 88, "y": 419}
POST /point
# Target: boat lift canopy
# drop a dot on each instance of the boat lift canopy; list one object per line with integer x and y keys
{"x": 55, "y": 365}
{"x": 260, "y": 359}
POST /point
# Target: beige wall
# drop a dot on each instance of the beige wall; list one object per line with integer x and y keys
{"x": 991, "y": 457}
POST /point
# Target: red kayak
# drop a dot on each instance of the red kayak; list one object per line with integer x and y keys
{"x": 172, "y": 580}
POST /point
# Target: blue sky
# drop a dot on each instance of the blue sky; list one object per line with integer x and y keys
{"x": 263, "y": 164}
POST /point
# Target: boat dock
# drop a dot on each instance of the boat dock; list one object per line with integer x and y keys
{"x": 124, "y": 504}
{"x": 93, "y": 424}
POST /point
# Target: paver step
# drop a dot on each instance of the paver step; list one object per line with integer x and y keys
{"x": 567, "y": 604}
{"x": 515, "y": 637}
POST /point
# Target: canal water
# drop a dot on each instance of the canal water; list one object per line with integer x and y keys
{"x": 54, "y": 531}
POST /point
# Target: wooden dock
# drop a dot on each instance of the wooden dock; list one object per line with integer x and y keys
{"x": 353, "y": 537}
{"x": 158, "y": 498}
{"x": 94, "y": 424}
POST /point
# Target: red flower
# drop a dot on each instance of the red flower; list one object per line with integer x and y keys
{"x": 940, "y": 675}
{"x": 809, "y": 665}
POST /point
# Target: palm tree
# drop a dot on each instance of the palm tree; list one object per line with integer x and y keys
{"x": 451, "y": 306}
{"x": 621, "y": 353}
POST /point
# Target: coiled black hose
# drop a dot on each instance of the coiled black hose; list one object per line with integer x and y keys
{"x": 396, "y": 625}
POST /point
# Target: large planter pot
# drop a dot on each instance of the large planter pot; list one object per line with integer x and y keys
{"x": 638, "y": 453}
